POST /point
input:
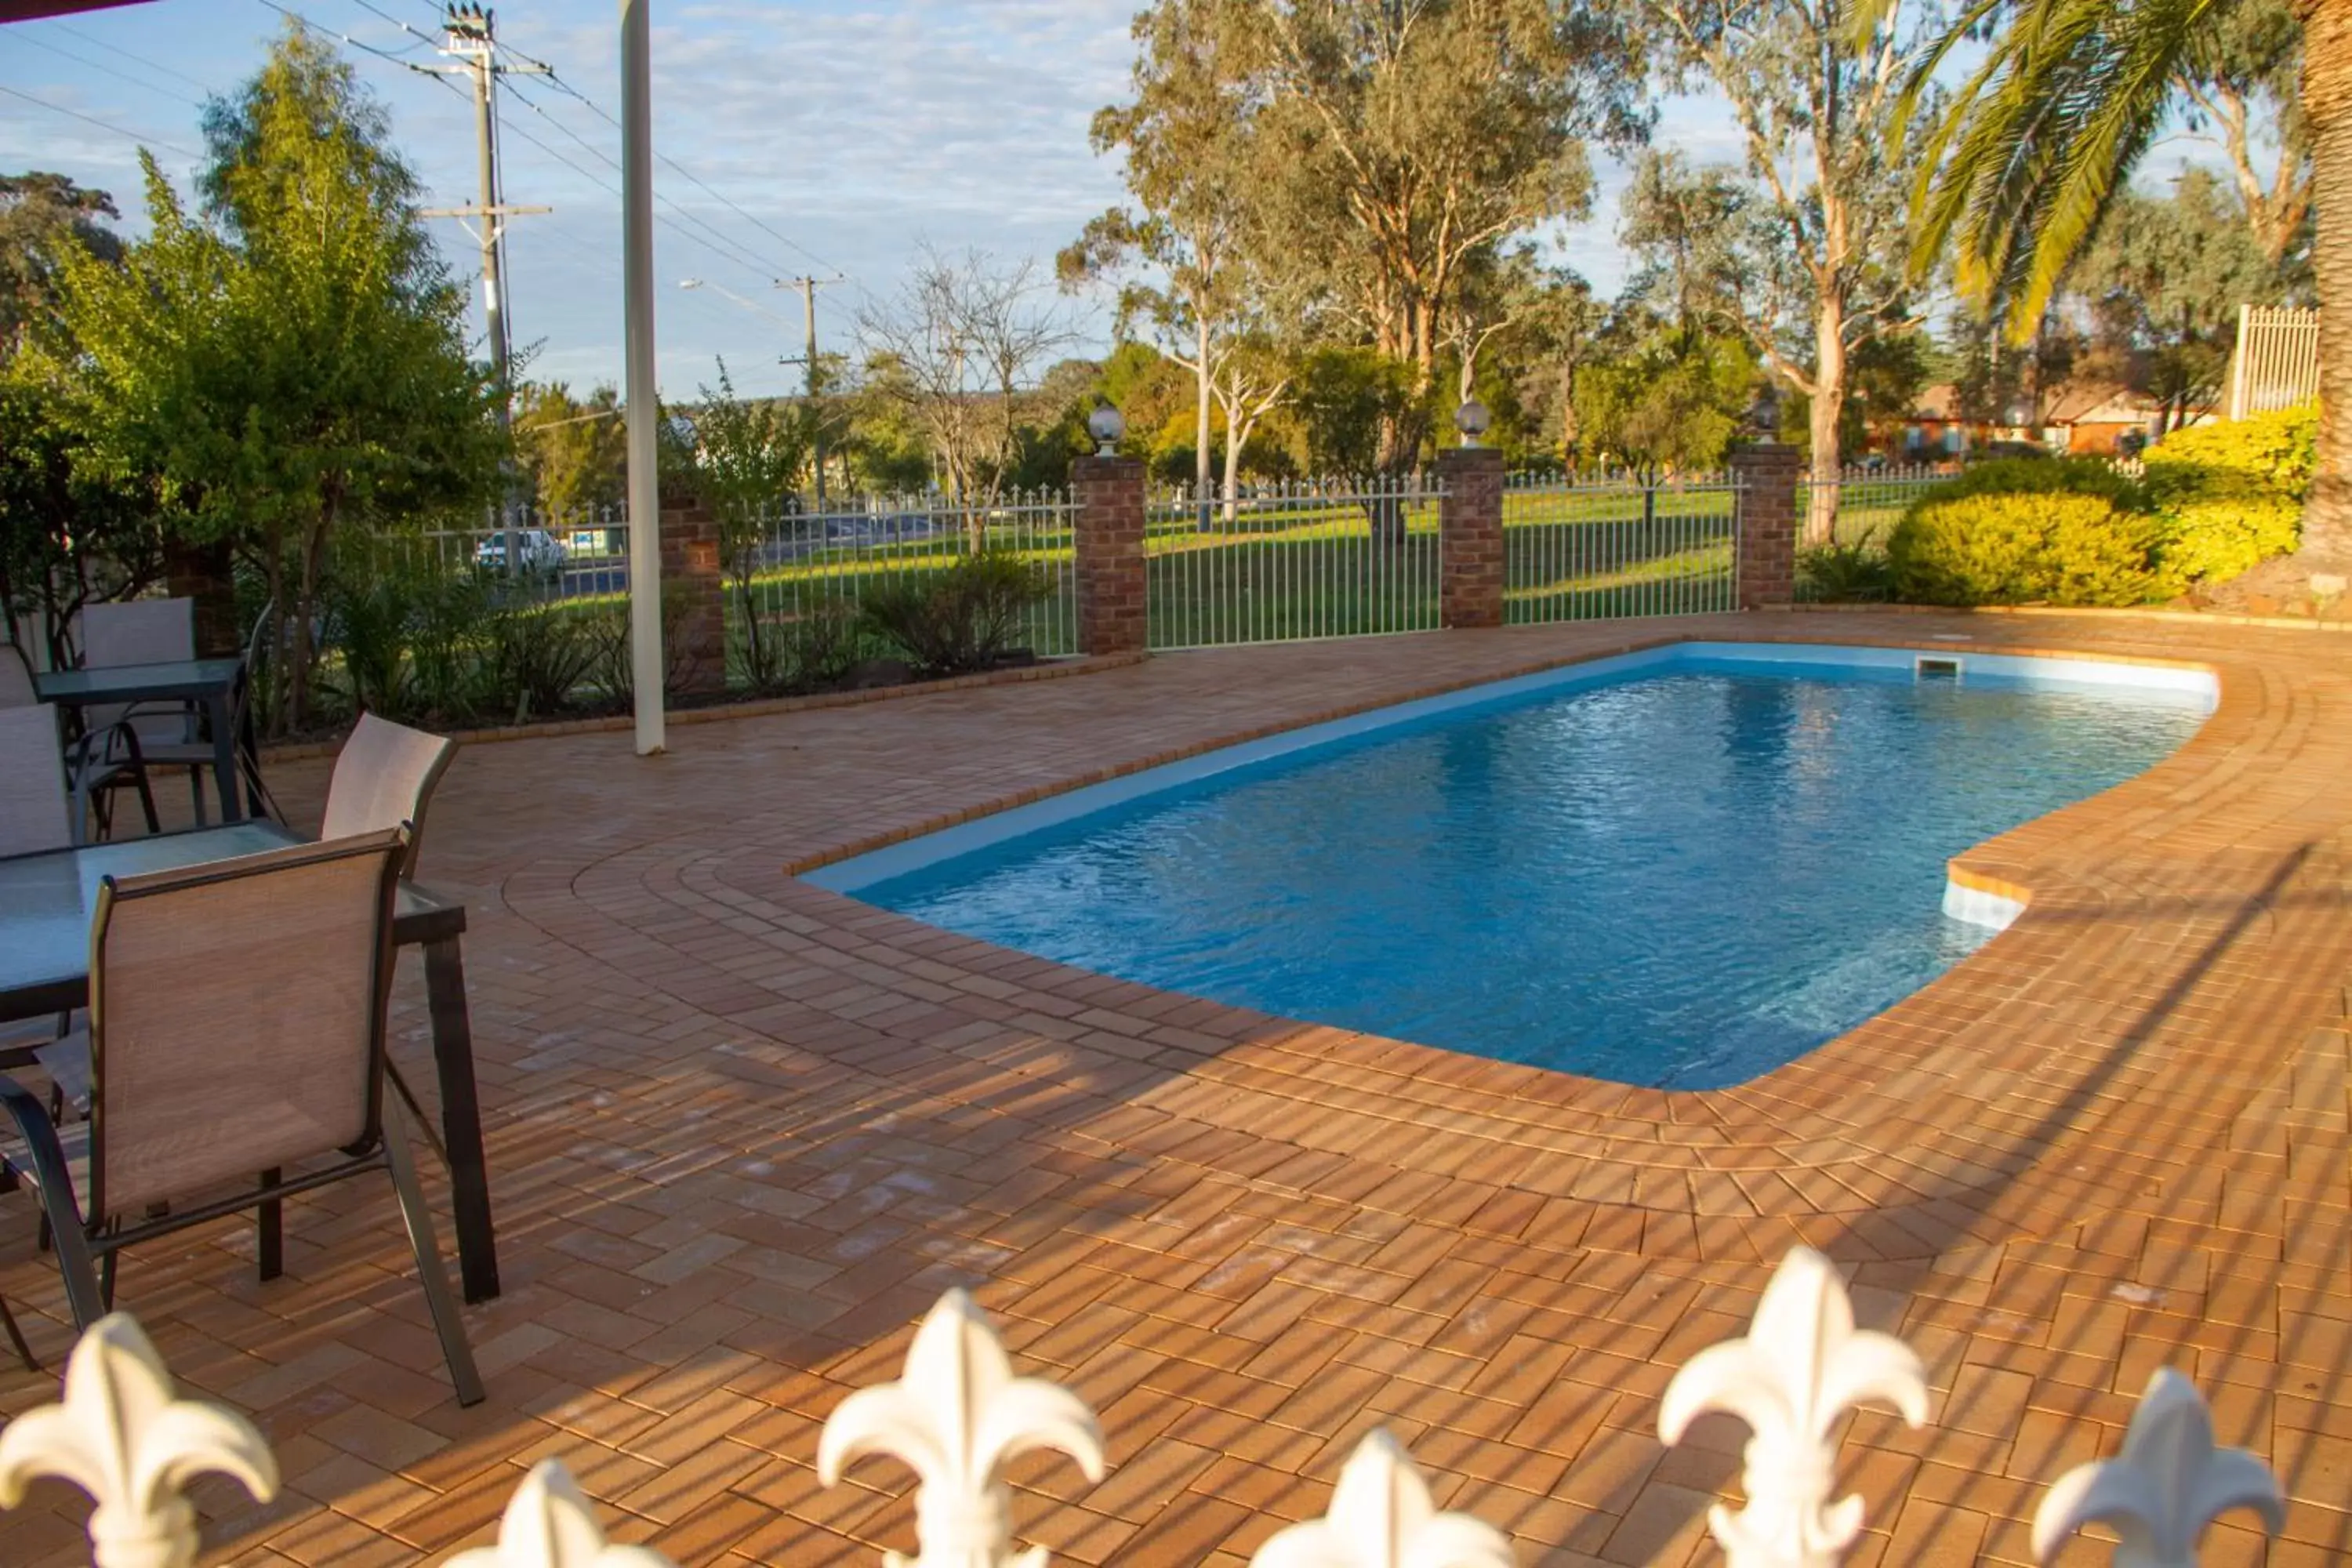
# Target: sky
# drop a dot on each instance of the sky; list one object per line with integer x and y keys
{"x": 795, "y": 136}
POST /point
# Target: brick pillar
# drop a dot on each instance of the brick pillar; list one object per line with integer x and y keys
{"x": 694, "y": 590}
{"x": 1764, "y": 523}
{"x": 1113, "y": 608}
{"x": 1470, "y": 537}
{"x": 207, "y": 574}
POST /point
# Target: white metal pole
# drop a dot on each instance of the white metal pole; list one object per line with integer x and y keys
{"x": 646, "y": 661}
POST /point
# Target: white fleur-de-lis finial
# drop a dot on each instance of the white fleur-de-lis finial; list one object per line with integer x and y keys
{"x": 1381, "y": 1516}
{"x": 956, "y": 1416}
{"x": 1800, "y": 1367}
{"x": 548, "y": 1524}
{"x": 124, "y": 1437}
{"x": 2163, "y": 1489}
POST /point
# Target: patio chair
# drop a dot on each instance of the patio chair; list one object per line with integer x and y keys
{"x": 144, "y": 631}
{"x": 193, "y": 752}
{"x": 385, "y": 774}
{"x": 237, "y": 1023}
{"x": 90, "y": 767}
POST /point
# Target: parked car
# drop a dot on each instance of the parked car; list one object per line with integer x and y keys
{"x": 536, "y": 550}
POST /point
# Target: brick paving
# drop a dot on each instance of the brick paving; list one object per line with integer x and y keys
{"x": 742, "y": 1131}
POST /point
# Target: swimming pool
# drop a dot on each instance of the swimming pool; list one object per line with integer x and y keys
{"x": 1680, "y": 867}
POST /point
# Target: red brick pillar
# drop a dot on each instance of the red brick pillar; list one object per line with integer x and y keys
{"x": 694, "y": 596}
{"x": 1114, "y": 605}
{"x": 1764, "y": 523}
{"x": 207, "y": 574}
{"x": 1470, "y": 536}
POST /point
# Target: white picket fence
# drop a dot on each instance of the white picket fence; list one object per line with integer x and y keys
{"x": 959, "y": 1414}
{"x": 2277, "y": 362}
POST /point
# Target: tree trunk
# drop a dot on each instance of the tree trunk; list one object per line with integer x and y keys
{"x": 2326, "y": 549}
{"x": 1828, "y": 403}
{"x": 1202, "y": 457}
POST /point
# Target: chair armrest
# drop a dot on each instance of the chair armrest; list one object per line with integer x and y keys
{"x": 50, "y": 1168}
{"x": 78, "y": 759}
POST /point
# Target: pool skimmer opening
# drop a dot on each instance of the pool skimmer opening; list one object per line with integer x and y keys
{"x": 1932, "y": 667}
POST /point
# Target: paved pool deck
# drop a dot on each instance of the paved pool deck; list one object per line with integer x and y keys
{"x": 742, "y": 1131}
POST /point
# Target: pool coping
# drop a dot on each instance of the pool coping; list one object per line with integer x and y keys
{"x": 1834, "y": 1148}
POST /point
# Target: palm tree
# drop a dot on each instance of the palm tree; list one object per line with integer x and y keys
{"x": 2041, "y": 137}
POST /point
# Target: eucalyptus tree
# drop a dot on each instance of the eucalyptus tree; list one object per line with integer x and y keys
{"x": 2039, "y": 142}
{"x": 1185, "y": 263}
{"x": 1403, "y": 141}
{"x": 1815, "y": 235}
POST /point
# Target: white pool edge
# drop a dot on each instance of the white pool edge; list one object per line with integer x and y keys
{"x": 1972, "y": 905}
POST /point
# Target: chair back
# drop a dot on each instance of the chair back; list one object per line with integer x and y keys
{"x": 139, "y": 631}
{"x": 237, "y": 1017}
{"x": 16, "y": 678}
{"x": 34, "y": 809}
{"x": 385, "y": 776}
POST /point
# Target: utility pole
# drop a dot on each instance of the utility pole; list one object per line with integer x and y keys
{"x": 808, "y": 287}
{"x": 469, "y": 35}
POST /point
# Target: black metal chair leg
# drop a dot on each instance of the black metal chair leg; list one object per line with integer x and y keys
{"x": 147, "y": 803}
{"x": 105, "y": 1277}
{"x": 17, "y": 1337}
{"x": 268, "y": 1227}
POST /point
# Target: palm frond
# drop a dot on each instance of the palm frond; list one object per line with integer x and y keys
{"x": 2041, "y": 137}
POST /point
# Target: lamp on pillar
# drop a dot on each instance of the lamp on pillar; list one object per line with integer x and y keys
{"x": 1472, "y": 419}
{"x": 1106, "y": 424}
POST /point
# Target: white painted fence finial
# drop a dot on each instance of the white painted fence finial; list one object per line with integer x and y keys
{"x": 2163, "y": 1489}
{"x": 1803, "y": 1365}
{"x": 1381, "y": 1516}
{"x": 956, "y": 1416}
{"x": 548, "y": 1524}
{"x": 124, "y": 1436}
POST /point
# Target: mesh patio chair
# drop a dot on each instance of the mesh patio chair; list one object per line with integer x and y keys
{"x": 193, "y": 752}
{"x": 142, "y": 631}
{"x": 89, "y": 772}
{"x": 385, "y": 775}
{"x": 237, "y": 1024}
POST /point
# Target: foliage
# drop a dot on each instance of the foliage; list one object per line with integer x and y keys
{"x": 2041, "y": 476}
{"x": 70, "y": 532}
{"x": 42, "y": 217}
{"x": 1996, "y": 548}
{"x": 1806, "y": 243}
{"x": 825, "y": 643}
{"x": 575, "y": 450}
{"x": 2164, "y": 279}
{"x": 2227, "y": 496}
{"x": 747, "y": 458}
{"x": 2274, "y": 449}
{"x": 1396, "y": 145}
{"x": 612, "y": 667}
{"x": 291, "y": 363}
{"x": 1845, "y": 572}
{"x": 1347, "y": 399}
{"x": 538, "y": 654}
{"x": 1673, "y": 403}
{"x": 958, "y": 621}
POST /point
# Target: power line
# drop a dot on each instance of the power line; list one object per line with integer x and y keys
{"x": 555, "y": 79}
{"x": 42, "y": 43}
{"x": 386, "y": 55}
{"x": 94, "y": 120}
{"x": 422, "y": 38}
{"x": 718, "y": 242}
{"x": 126, "y": 53}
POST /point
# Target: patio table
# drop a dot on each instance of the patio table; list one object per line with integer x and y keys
{"x": 210, "y": 681}
{"x": 46, "y": 904}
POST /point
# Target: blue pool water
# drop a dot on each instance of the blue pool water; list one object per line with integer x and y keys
{"x": 1685, "y": 874}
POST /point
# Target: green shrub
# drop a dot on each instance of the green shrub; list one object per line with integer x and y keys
{"x": 958, "y": 620}
{"x": 536, "y": 656}
{"x": 367, "y": 627}
{"x": 2277, "y": 451}
{"x": 2220, "y": 530}
{"x": 1845, "y": 572}
{"x": 610, "y": 667}
{"x": 824, "y": 644}
{"x": 2041, "y": 476}
{"x": 2016, "y": 549}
